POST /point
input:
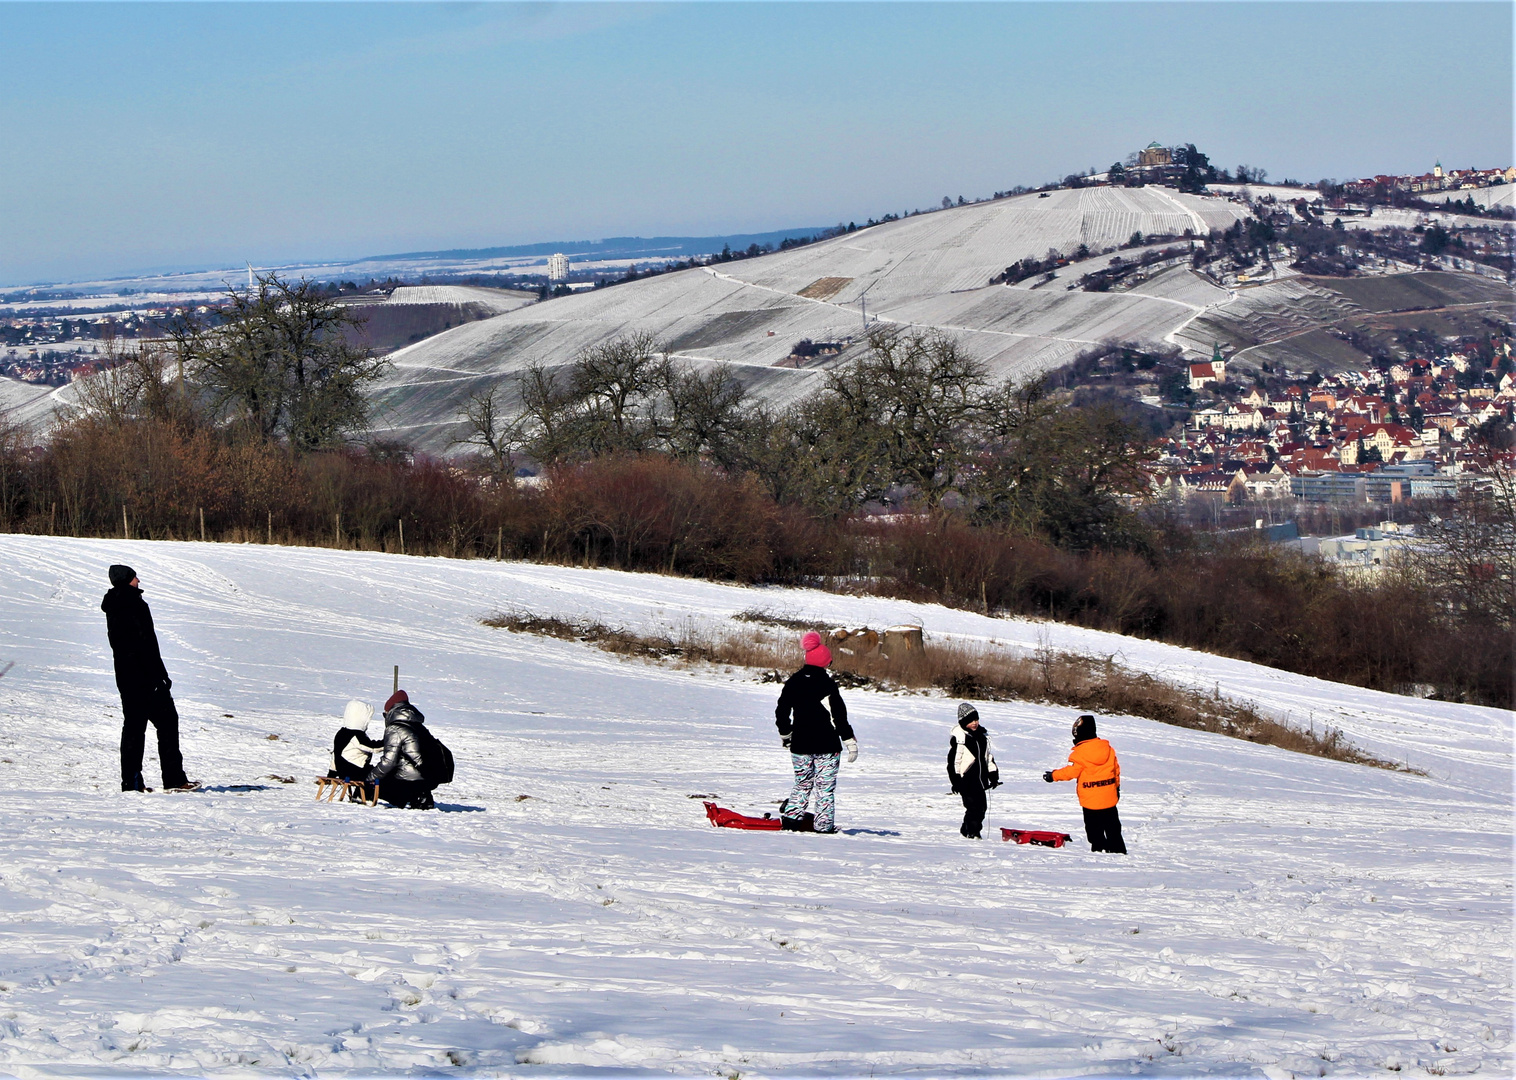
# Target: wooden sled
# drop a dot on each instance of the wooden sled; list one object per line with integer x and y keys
{"x": 338, "y": 790}
{"x": 1036, "y": 836}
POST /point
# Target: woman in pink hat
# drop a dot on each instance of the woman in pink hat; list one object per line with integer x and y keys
{"x": 814, "y": 736}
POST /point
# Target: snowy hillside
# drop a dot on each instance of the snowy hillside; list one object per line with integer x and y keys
{"x": 1500, "y": 195}
{"x": 928, "y": 271}
{"x": 571, "y": 910}
{"x": 18, "y": 398}
{"x": 497, "y": 300}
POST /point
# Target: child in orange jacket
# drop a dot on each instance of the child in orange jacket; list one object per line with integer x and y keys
{"x": 1093, "y": 764}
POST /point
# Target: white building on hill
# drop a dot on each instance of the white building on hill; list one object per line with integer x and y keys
{"x": 558, "y": 267}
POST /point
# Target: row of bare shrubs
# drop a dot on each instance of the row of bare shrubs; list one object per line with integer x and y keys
{"x": 963, "y": 671}
{"x": 155, "y": 479}
{"x": 151, "y": 479}
{"x": 1243, "y": 598}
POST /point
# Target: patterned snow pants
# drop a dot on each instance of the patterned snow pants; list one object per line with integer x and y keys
{"x": 818, "y": 773}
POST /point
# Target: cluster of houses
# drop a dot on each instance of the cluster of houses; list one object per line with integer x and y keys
{"x": 47, "y": 366}
{"x": 1359, "y": 436}
{"x": 1439, "y": 179}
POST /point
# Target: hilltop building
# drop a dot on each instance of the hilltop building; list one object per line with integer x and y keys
{"x": 558, "y": 267}
{"x": 1155, "y": 164}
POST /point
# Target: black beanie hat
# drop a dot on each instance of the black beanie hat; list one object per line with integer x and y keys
{"x": 967, "y": 714}
{"x": 1084, "y": 728}
{"x": 121, "y": 575}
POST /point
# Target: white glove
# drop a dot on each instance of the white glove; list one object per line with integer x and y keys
{"x": 852, "y": 749}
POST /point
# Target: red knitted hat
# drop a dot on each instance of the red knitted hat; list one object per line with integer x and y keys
{"x": 815, "y": 650}
{"x": 397, "y": 698}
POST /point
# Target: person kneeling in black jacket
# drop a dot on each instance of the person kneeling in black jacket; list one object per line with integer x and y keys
{"x": 971, "y": 768}
{"x": 398, "y": 771}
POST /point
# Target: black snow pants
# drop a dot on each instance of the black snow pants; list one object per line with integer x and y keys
{"x": 974, "y": 806}
{"x": 155, "y": 707}
{"x": 1103, "y": 827}
{"x": 406, "y": 794}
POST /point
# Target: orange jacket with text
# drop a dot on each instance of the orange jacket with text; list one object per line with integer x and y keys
{"x": 1093, "y": 763}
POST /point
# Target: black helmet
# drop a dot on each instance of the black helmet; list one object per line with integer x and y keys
{"x": 1084, "y": 728}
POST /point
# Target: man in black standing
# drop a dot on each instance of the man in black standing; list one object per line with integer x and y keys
{"x": 143, "y": 682}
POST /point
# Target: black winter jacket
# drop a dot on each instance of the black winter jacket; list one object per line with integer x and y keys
{"x": 134, "y": 643}
{"x": 401, "y": 757}
{"x": 812, "y": 730}
{"x": 980, "y": 772}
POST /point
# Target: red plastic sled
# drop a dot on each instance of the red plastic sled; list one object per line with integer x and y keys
{"x": 730, "y": 819}
{"x": 1036, "y": 836}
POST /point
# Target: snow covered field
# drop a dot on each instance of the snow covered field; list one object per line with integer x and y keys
{"x": 1278, "y": 914}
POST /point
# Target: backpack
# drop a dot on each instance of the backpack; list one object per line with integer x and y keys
{"x": 436, "y": 765}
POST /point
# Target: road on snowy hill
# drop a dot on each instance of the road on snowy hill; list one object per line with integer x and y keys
{"x": 569, "y": 908}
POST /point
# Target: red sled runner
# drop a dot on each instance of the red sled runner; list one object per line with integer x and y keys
{"x": 1036, "y": 836}
{"x": 730, "y": 819}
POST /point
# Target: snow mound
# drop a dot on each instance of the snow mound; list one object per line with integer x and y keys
{"x": 569, "y": 909}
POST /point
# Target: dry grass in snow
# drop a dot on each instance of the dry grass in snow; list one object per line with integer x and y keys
{"x": 961, "y": 670}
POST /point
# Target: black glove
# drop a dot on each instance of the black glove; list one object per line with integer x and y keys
{"x": 1048, "y": 776}
{"x": 995, "y": 783}
{"x": 785, "y": 739}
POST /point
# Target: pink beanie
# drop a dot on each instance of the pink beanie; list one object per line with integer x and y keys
{"x": 815, "y": 652}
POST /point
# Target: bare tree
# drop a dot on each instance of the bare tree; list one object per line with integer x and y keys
{"x": 278, "y": 360}
{"x": 547, "y": 419}
{"x": 611, "y": 381}
{"x": 911, "y": 403}
{"x": 1468, "y": 557}
{"x": 13, "y": 471}
{"x": 487, "y": 428}
{"x": 142, "y": 380}
{"x": 706, "y": 414}
{"x": 1058, "y": 472}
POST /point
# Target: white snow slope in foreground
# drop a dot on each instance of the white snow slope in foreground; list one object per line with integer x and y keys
{"x": 1278, "y": 914}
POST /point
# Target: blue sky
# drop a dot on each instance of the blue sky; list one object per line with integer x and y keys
{"x": 137, "y": 136}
